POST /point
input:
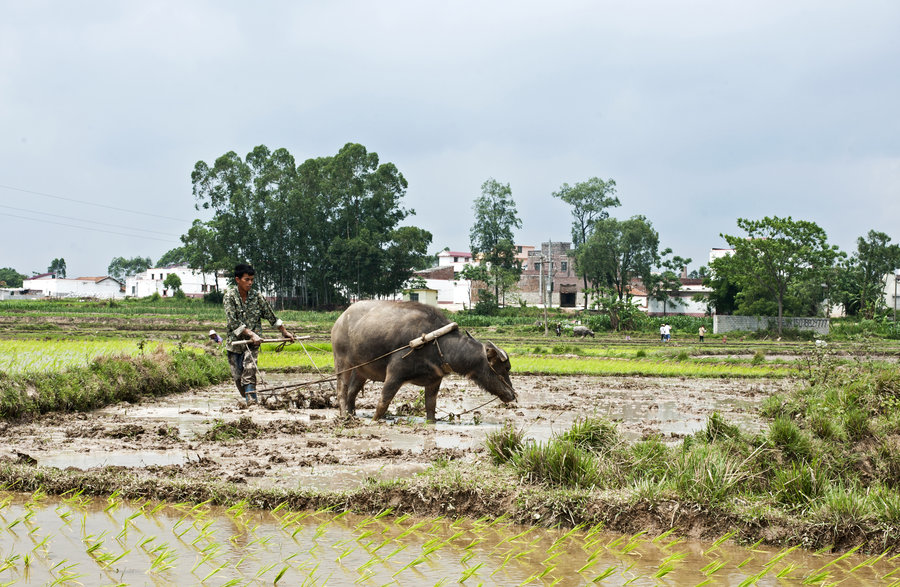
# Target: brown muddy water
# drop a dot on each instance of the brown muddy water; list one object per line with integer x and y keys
{"x": 311, "y": 447}
{"x": 108, "y": 541}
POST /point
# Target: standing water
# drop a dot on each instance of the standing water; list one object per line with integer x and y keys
{"x": 74, "y": 540}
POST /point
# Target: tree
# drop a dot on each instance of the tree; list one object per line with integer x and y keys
{"x": 589, "y": 200}
{"x": 9, "y": 277}
{"x": 778, "y": 255}
{"x": 863, "y": 280}
{"x": 318, "y": 232}
{"x": 662, "y": 285}
{"x": 174, "y": 256}
{"x": 120, "y": 267}
{"x": 617, "y": 252}
{"x": 173, "y": 282}
{"x": 491, "y": 236}
{"x": 58, "y": 267}
{"x": 203, "y": 251}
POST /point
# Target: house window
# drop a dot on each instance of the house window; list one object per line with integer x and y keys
{"x": 518, "y": 249}
{"x": 151, "y": 275}
{"x": 456, "y": 259}
{"x": 564, "y": 265}
{"x": 524, "y": 265}
{"x": 537, "y": 266}
{"x": 413, "y": 297}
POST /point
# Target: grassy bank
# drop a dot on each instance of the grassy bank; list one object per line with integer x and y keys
{"x": 108, "y": 380}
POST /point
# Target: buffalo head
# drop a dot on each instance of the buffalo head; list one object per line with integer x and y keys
{"x": 494, "y": 378}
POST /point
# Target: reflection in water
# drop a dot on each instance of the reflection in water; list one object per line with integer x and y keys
{"x": 77, "y": 540}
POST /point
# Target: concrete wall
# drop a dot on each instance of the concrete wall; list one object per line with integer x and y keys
{"x": 723, "y": 324}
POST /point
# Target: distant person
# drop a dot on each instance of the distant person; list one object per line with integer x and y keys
{"x": 662, "y": 332}
{"x": 702, "y": 332}
{"x": 244, "y": 310}
{"x": 558, "y": 329}
{"x": 667, "y": 332}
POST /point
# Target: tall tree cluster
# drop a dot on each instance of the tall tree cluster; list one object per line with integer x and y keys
{"x": 318, "y": 233}
{"x": 778, "y": 264}
{"x": 491, "y": 238}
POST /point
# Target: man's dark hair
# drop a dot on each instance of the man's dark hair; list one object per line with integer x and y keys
{"x": 242, "y": 269}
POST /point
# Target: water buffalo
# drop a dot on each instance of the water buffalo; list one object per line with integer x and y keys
{"x": 369, "y": 329}
{"x": 583, "y": 331}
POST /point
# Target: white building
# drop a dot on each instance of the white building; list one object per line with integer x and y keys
{"x": 456, "y": 259}
{"x": 51, "y": 286}
{"x": 193, "y": 282}
{"x": 18, "y": 293}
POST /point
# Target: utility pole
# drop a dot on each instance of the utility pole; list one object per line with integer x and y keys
{"x": 543, "y": 292}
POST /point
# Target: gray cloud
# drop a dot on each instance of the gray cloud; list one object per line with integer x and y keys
{"x": 702, "y": 112}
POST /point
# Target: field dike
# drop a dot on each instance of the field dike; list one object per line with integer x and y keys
{"x": 453, "y": 492}
{"x": 108, "y": 380}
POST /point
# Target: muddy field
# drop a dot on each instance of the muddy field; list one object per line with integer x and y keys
{"x": 209, "y": 435}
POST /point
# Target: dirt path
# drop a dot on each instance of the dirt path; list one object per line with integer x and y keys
{"x": 209, "y": 435}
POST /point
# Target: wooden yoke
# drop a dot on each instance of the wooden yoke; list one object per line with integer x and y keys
{"x": 426, "y": 338}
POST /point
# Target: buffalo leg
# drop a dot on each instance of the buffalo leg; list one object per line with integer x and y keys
{"x": 431, "y": 392}
{"x": 388, "y": 391}
{"x": 354, "y": 386}
{"x": 342, "y": 392}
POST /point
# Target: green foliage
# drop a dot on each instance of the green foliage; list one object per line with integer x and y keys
{"x": 557, "y": 462}
{"x": 173, "y": 282}
{"x": 786, "y": 435}
{"x": 717, "y": 428}
{"x": 120, "y": 267}
{"x": 320, "y": 230}
{"x": 9, "y": 277}
{"x": 502, "y": 444}
{"x": 58, "y": 266}
{"x": 618, "y": 251}
{"x": 708, "y": 473}
{"x": 594, "y": 434}
{"x": 797, "y": 484}
{"x": 214, "y": 297}
{"x": 491, "y": 237}
{"x": 780, "y": 261}
{"x": 107, "y": 380}
{"x": 860, "y": 282}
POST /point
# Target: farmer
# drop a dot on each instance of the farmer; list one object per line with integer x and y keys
{"x": 244, "y": 310}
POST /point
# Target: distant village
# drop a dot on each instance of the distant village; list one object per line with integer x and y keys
{"x": 548, "y": 278}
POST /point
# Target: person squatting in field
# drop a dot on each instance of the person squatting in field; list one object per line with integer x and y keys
{"x": 244, "y": 310}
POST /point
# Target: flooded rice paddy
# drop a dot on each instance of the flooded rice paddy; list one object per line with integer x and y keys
{"x": 75, "y": 540}
{"x": 209, "y": 434}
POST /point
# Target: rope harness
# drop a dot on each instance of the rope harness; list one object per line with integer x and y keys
{"x": 413, "y": 345}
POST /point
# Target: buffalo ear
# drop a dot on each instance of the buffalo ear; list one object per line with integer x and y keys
{"x": 495, "y": 353}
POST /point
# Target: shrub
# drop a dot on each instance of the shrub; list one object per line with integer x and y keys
{"x": 557, "y": 462}
{"x": 593, "y": 434}
{"x": 786, "y": 435}
{"x": 214, "y": 297}
{"x": 797, "y": 485}
{"x": 842, "y": 506}
{"x": 502, "y": 444}
{"x": 719, "y": 429}
{"x": 707, "y": 473}
{"x": 649, "y": 460}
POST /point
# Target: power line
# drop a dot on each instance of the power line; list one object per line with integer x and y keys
{"x": 86, "y": 220}
{"x": 91, "y": 229}
{"x": 9, "y": 187}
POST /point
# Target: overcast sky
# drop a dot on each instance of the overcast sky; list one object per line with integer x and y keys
{"x": 702, "y": 112}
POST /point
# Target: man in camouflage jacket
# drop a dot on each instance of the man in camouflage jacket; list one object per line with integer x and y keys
{"x": 244, "y": 310}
